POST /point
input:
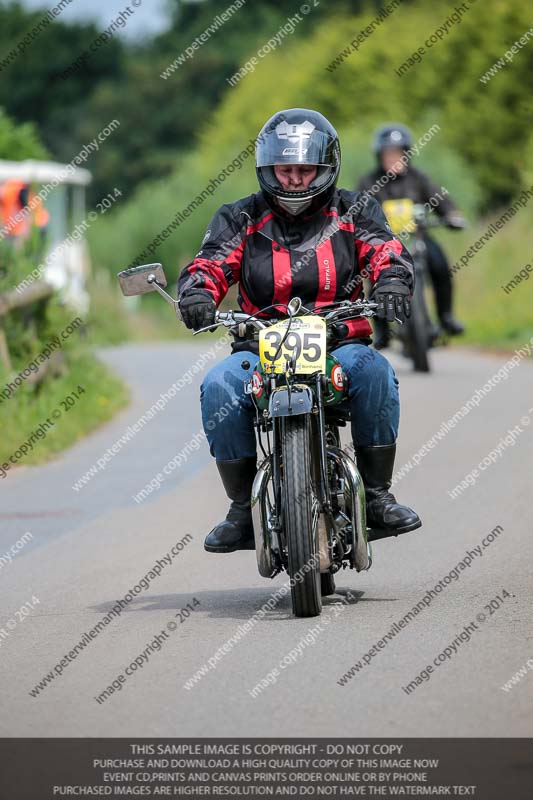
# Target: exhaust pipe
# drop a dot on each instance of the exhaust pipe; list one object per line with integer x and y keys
{"x": 260, "y": 520}
{"x": 361, "y": 553}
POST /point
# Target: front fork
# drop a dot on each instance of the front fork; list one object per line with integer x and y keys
{"x": 268, "y": 517}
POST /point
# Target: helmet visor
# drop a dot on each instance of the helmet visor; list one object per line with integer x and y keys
{"x": 296, "y": 144}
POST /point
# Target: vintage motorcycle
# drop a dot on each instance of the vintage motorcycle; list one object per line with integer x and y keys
{"x": 308, "y": 499}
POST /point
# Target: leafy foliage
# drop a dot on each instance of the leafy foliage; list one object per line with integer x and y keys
{"x": 161, "y": 120}
{"x": 18, "y": 142}
{"x": 488, "y": 124}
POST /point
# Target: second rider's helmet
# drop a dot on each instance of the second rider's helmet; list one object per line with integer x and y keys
{"x": 393, "y": 134}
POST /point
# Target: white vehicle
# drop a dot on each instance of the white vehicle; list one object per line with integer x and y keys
{"x": 60, "y": 189}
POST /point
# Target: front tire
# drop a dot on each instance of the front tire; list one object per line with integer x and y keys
{"x": 300, "y": 514}
{"x": 418, "y": 331}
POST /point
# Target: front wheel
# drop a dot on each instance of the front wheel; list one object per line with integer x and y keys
{"x": 418, "y": 330}
{"x": 300, "y": 514}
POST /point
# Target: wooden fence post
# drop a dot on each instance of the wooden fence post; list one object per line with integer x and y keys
{"x": 38, "y": 290}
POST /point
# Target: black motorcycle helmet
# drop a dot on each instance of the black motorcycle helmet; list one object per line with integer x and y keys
{"x": 393, "y": 134}
{"x": 298, "y": 136}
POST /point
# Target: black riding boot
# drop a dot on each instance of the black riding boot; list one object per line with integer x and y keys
{"x": 451, "y": 325}
{"x": 376, "y": 465}
{"x": 236, "y": 532}
{"x": 443, "y": 297}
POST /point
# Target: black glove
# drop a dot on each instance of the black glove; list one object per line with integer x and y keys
{"x": 197, "y": 309}
{"x": 392, "y": 296}
{"x": 455, "y": 221}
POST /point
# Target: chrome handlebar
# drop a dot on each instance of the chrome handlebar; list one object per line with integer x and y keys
{"x": 342, "y": 310}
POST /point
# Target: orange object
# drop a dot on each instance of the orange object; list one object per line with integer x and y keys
{"x": 11, "y": 204}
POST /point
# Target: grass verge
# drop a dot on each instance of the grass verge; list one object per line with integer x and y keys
{"x": 26, "y": 410}
{"x": 495, "y": 318}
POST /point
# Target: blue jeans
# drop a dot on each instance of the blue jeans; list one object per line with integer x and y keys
{"x": 228, "y": 413}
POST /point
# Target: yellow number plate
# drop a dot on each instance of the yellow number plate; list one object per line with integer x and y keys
{"x": 306, "y": 340}
{"x": 400, "y": 215}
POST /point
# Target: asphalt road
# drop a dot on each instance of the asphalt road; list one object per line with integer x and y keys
{"x": 90, "y": 546}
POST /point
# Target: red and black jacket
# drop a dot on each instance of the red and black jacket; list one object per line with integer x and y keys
{"x": 320, "y": 258}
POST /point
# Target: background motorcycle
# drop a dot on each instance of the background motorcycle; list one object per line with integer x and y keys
{"x": 419, "y": 333}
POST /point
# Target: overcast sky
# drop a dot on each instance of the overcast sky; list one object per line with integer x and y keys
{"x": 149, "y": 17}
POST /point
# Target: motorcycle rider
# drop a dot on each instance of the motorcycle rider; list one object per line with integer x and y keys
{"x": 299, "y": 236}
{"x": 392, "y": 145}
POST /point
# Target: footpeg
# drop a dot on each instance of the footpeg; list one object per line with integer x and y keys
{"x": 372, "y": 534}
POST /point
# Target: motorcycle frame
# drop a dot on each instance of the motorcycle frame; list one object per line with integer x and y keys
{"x": 269, "y": 532}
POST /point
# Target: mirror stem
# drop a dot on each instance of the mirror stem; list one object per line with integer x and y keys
{"x": 152, "y": 279}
